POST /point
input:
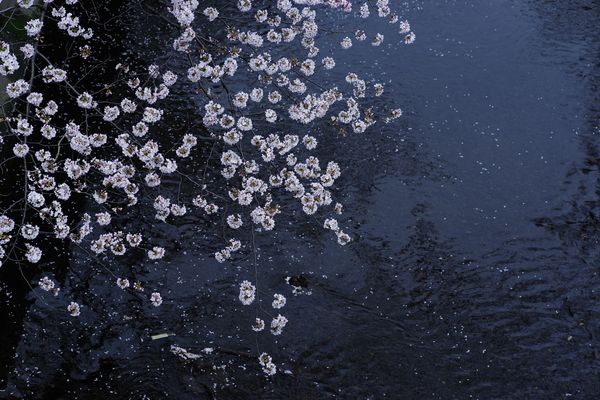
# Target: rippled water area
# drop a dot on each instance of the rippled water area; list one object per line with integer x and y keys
{"x": 474, "y": 267}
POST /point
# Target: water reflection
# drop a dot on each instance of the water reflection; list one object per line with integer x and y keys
{"x": 474, "y": 269}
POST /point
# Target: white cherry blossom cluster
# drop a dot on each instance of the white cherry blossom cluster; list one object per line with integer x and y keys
{"x": 118, "y": 151}
{"x": 8, "y": 60}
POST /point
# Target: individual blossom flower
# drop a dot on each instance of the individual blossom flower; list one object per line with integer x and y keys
{"x": 240, "y": 100}
{"x": 226, "y": 121}
{"x": 6, "y": 224}
{"x": 404, "y": 27}
{"x": 244, "y": 5}
{"x": 258, "y": 325}
{"x": 377, "y": 40}
{"x": 33, "y": 254}
{"x": 245, "y": 198}
{"x": 8, "y": 61}
{"x": 103, "y": 218}
{"x": 74, "y": 309}
{"x": 364, "y": 11}
{"x": 331, "y": 223}
{"x": 308, "y": 67}
{"x": 128, "y": 106}
{"x": 33, "y": 27}
{"x": 310, "y": 142}
{"x": 29, "y": 3}
{"x": 35, "y": 199}
{"x": 20, "y": 149}
{"x": 346, "y": 43}
{"x": 178, "y": 210}
{"x": 274, "y": 36}
{"x": 256, "y": 95}
{"x": 264, "y": 359}
{"x": 270, "y": 115}
{"x": 247, "y": 293}
{"x": 153, "y": 70}
{"x": 234, "y": 245}
{"x": 211, "y": 13}
{"x": 140, "y": 129}
{"x": 278, "y": 324}
{"x": 190, "y": 140}
{"x": 133, "y": 83}
{"x": 100, "y": 196}
{"x": 223, "y": 255}
{"x": 111, "y": 113}
{"x": 261, "y": 15}
{"x": 211, "y": 208}
{"x": 397, "y": 113}
{"x": 297, "y": 86}
{"x": 28, "y": 50}
{"x": 343, "y": 238}
{"x": 46, "y": 284}
{"x": 274, "y": 97}
{"x": 134, "y": 239}
{"x": 48, "y": 131}
{"x": 24, "y": 127}
{"x": 156, "y": 253}
{"x": 169, "y": 78}
{"x": 156, "y": 299}
{"x": 328, "y": 63}
{"x": 98, "y": 139}
{"x": 29, "y": 231}
{"x": 234, "y": 221}
{"x": 291, "y": 160}
{"x": 270, "y": 369}
{"x": 152, "y": 115}
{"x": 42, "y": 155}
{"x": 183, "y": 151}
{"x": 35, "y": 98}
{"x": 85, "y": 100}
{"x": 118, "y": 248}
{"x": 199, "y": 202}
{"x": 244, "y": 124}
{"x": 123, "y": 283}
{"x": 279, "y": 301}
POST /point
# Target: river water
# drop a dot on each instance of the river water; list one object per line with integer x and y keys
{"x": 474, "y": 269}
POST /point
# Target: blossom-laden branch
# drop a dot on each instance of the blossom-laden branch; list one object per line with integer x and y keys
{"x": 114, "y": 152}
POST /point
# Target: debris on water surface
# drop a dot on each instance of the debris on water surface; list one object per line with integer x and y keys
{"x": 161, "y": 336}
{"x": 183, "y": 353}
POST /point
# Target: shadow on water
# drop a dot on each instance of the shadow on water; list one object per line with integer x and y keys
{"x": 474, "y": 269}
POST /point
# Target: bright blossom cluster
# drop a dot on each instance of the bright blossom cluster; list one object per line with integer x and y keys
{"x": 266, "y": 165}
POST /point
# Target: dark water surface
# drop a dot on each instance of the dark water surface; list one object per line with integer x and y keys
{"x": 474, "y": 273}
